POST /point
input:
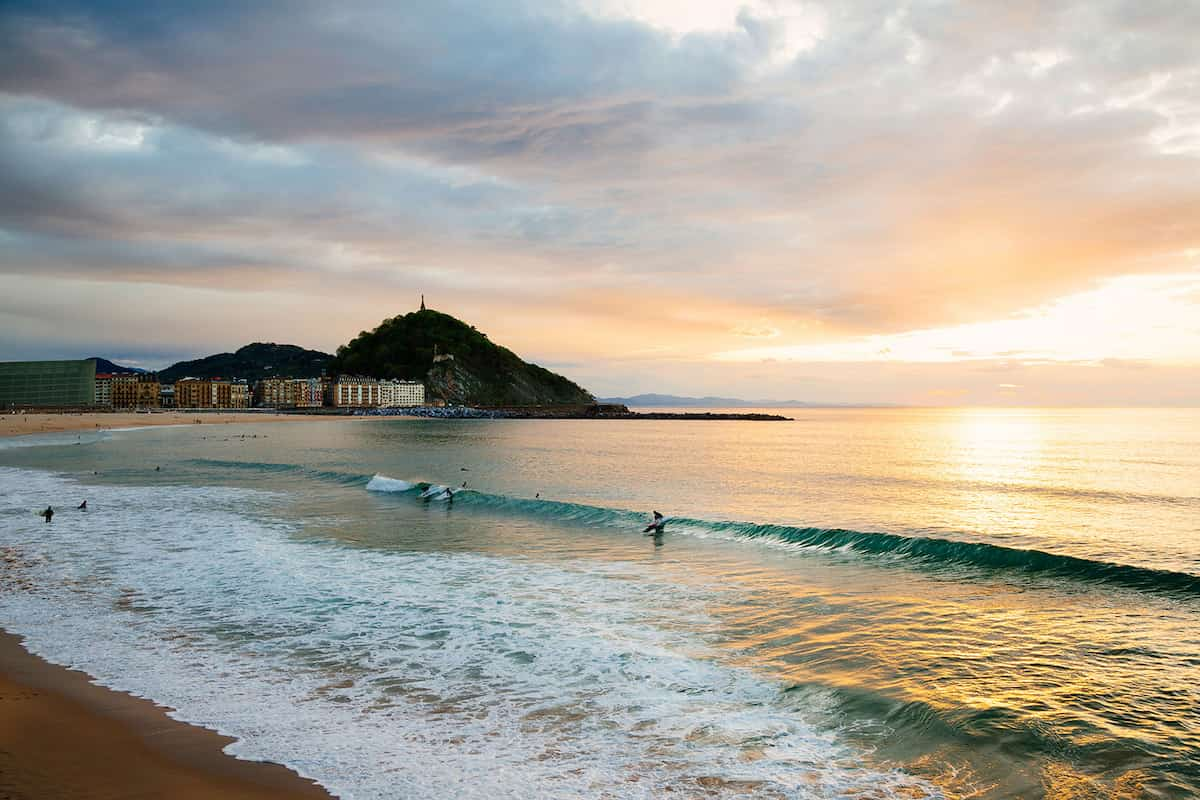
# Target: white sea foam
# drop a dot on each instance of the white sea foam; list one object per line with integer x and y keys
{"x": 399, "y": 674}
{"x": 382, "y": 483}
{"x": 52, "y": 439}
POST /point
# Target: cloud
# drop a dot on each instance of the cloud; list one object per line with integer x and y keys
{"x": 843, "y": 171}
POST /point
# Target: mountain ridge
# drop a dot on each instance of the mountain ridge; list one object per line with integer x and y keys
{"x": 252, "y": 362}
{"x": 103, "y": 365}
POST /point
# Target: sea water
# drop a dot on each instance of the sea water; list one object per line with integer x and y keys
{"x": 856, "y": 604}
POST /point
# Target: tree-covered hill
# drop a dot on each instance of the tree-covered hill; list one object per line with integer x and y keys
{"x": 252, "y": 362}
{"x": 480, "y": 372}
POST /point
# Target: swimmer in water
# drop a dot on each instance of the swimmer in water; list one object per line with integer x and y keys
{"x": 83, "y": 506}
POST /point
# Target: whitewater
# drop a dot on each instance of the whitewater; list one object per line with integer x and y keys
{"x": 861, "y": 604}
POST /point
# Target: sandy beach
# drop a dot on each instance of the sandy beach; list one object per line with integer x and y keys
{"x": 62, "y": 736}
{"x": 22, "y": 424}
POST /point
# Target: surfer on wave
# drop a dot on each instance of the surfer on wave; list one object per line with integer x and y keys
{"x": 656, "y": 524}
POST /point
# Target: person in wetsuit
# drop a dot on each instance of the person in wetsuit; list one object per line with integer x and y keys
{"x": 48, "y": 513}
{"x": 656, "y": 525}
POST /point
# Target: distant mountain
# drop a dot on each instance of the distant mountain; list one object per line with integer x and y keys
{"x": 104, "y": 365}
{"x": 457, "y": 363}
{"x": 252, "y": 362}
{"x": 674, "y": 401}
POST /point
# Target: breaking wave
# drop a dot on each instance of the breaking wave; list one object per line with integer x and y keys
{"x": 931, "y": 551}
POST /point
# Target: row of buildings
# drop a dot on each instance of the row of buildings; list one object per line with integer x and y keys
{"x": 76, "y": 384}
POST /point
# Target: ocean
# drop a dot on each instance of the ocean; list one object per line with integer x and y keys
{"x": 886, "y": 603}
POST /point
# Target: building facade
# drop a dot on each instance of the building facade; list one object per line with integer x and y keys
{"x": 311, "y": 392}
{"x": 290, "y": 393}
{"x": 123, "y": 391}
{"x": 103, "y": 392}
{"x": 215, "y": 393}
{"x": 34, "y": 384}
{"x": 393, "y": 394}
{"x": 239, "y": 394}
{"x": 192, "y": 393}
{"x": 351, "y": 392}
{"x": 133, "y": 391}
{"x": 276, "y": 393}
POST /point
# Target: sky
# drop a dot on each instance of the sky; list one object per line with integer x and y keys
{"x": 929, "y": 203}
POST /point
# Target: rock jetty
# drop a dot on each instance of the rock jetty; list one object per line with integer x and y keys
{"x": 583, "y": 411}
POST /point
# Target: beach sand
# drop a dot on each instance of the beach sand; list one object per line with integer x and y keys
{"x": 22, "y": 424}
{"x": 62, "y": 737}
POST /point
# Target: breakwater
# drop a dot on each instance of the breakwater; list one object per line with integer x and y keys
{"x": 594, "y": 411}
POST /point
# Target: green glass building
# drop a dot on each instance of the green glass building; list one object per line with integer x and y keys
{"x": 36, "y": 384}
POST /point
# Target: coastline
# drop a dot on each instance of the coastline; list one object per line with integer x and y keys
{"x": 63, "y": 736}
{"x": 26, "y": 424}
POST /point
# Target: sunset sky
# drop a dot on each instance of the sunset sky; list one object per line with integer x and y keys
{"x": 927, "y": 203}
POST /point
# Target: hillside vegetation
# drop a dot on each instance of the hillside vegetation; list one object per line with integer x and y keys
{"x": 252, "y": 362}
{"x": 480, "y": 372}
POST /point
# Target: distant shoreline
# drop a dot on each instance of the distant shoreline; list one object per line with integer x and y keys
{"x": 43, "y": 422}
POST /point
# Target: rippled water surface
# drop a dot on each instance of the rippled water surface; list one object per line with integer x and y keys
{"x": 856, "y": 604}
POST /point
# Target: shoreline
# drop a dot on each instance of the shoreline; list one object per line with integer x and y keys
{"x": 66, "y": 422}
{"x": 61, "y": 735}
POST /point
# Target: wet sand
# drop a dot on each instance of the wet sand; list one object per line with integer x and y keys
{"x": 62, "y": 737}
{"x": 22, "y": 424}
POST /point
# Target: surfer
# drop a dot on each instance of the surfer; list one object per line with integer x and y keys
{"x": 83, "y": 506}
{"x": 48, "y": 513}
{"x": 656, "y": 524}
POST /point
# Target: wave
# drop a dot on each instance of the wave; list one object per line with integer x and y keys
{"x": 55, "y": 439}
{"x": 382, "y": 483}
{"x": 344, "y": 478}
{"x": 929, "y": 551}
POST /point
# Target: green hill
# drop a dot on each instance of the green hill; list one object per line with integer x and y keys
{"x": 252, "y": 362}
{"x": 477, "y": 371}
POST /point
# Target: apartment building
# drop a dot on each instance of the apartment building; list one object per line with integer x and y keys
{"x": 133, "y": 391}
{"x": 276, "y": 393}
{"x": 103, "y": 392}
{"x": 239, "y": 395}
{"x": 350, "y": 392}
{"x": 395, "y": 393}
